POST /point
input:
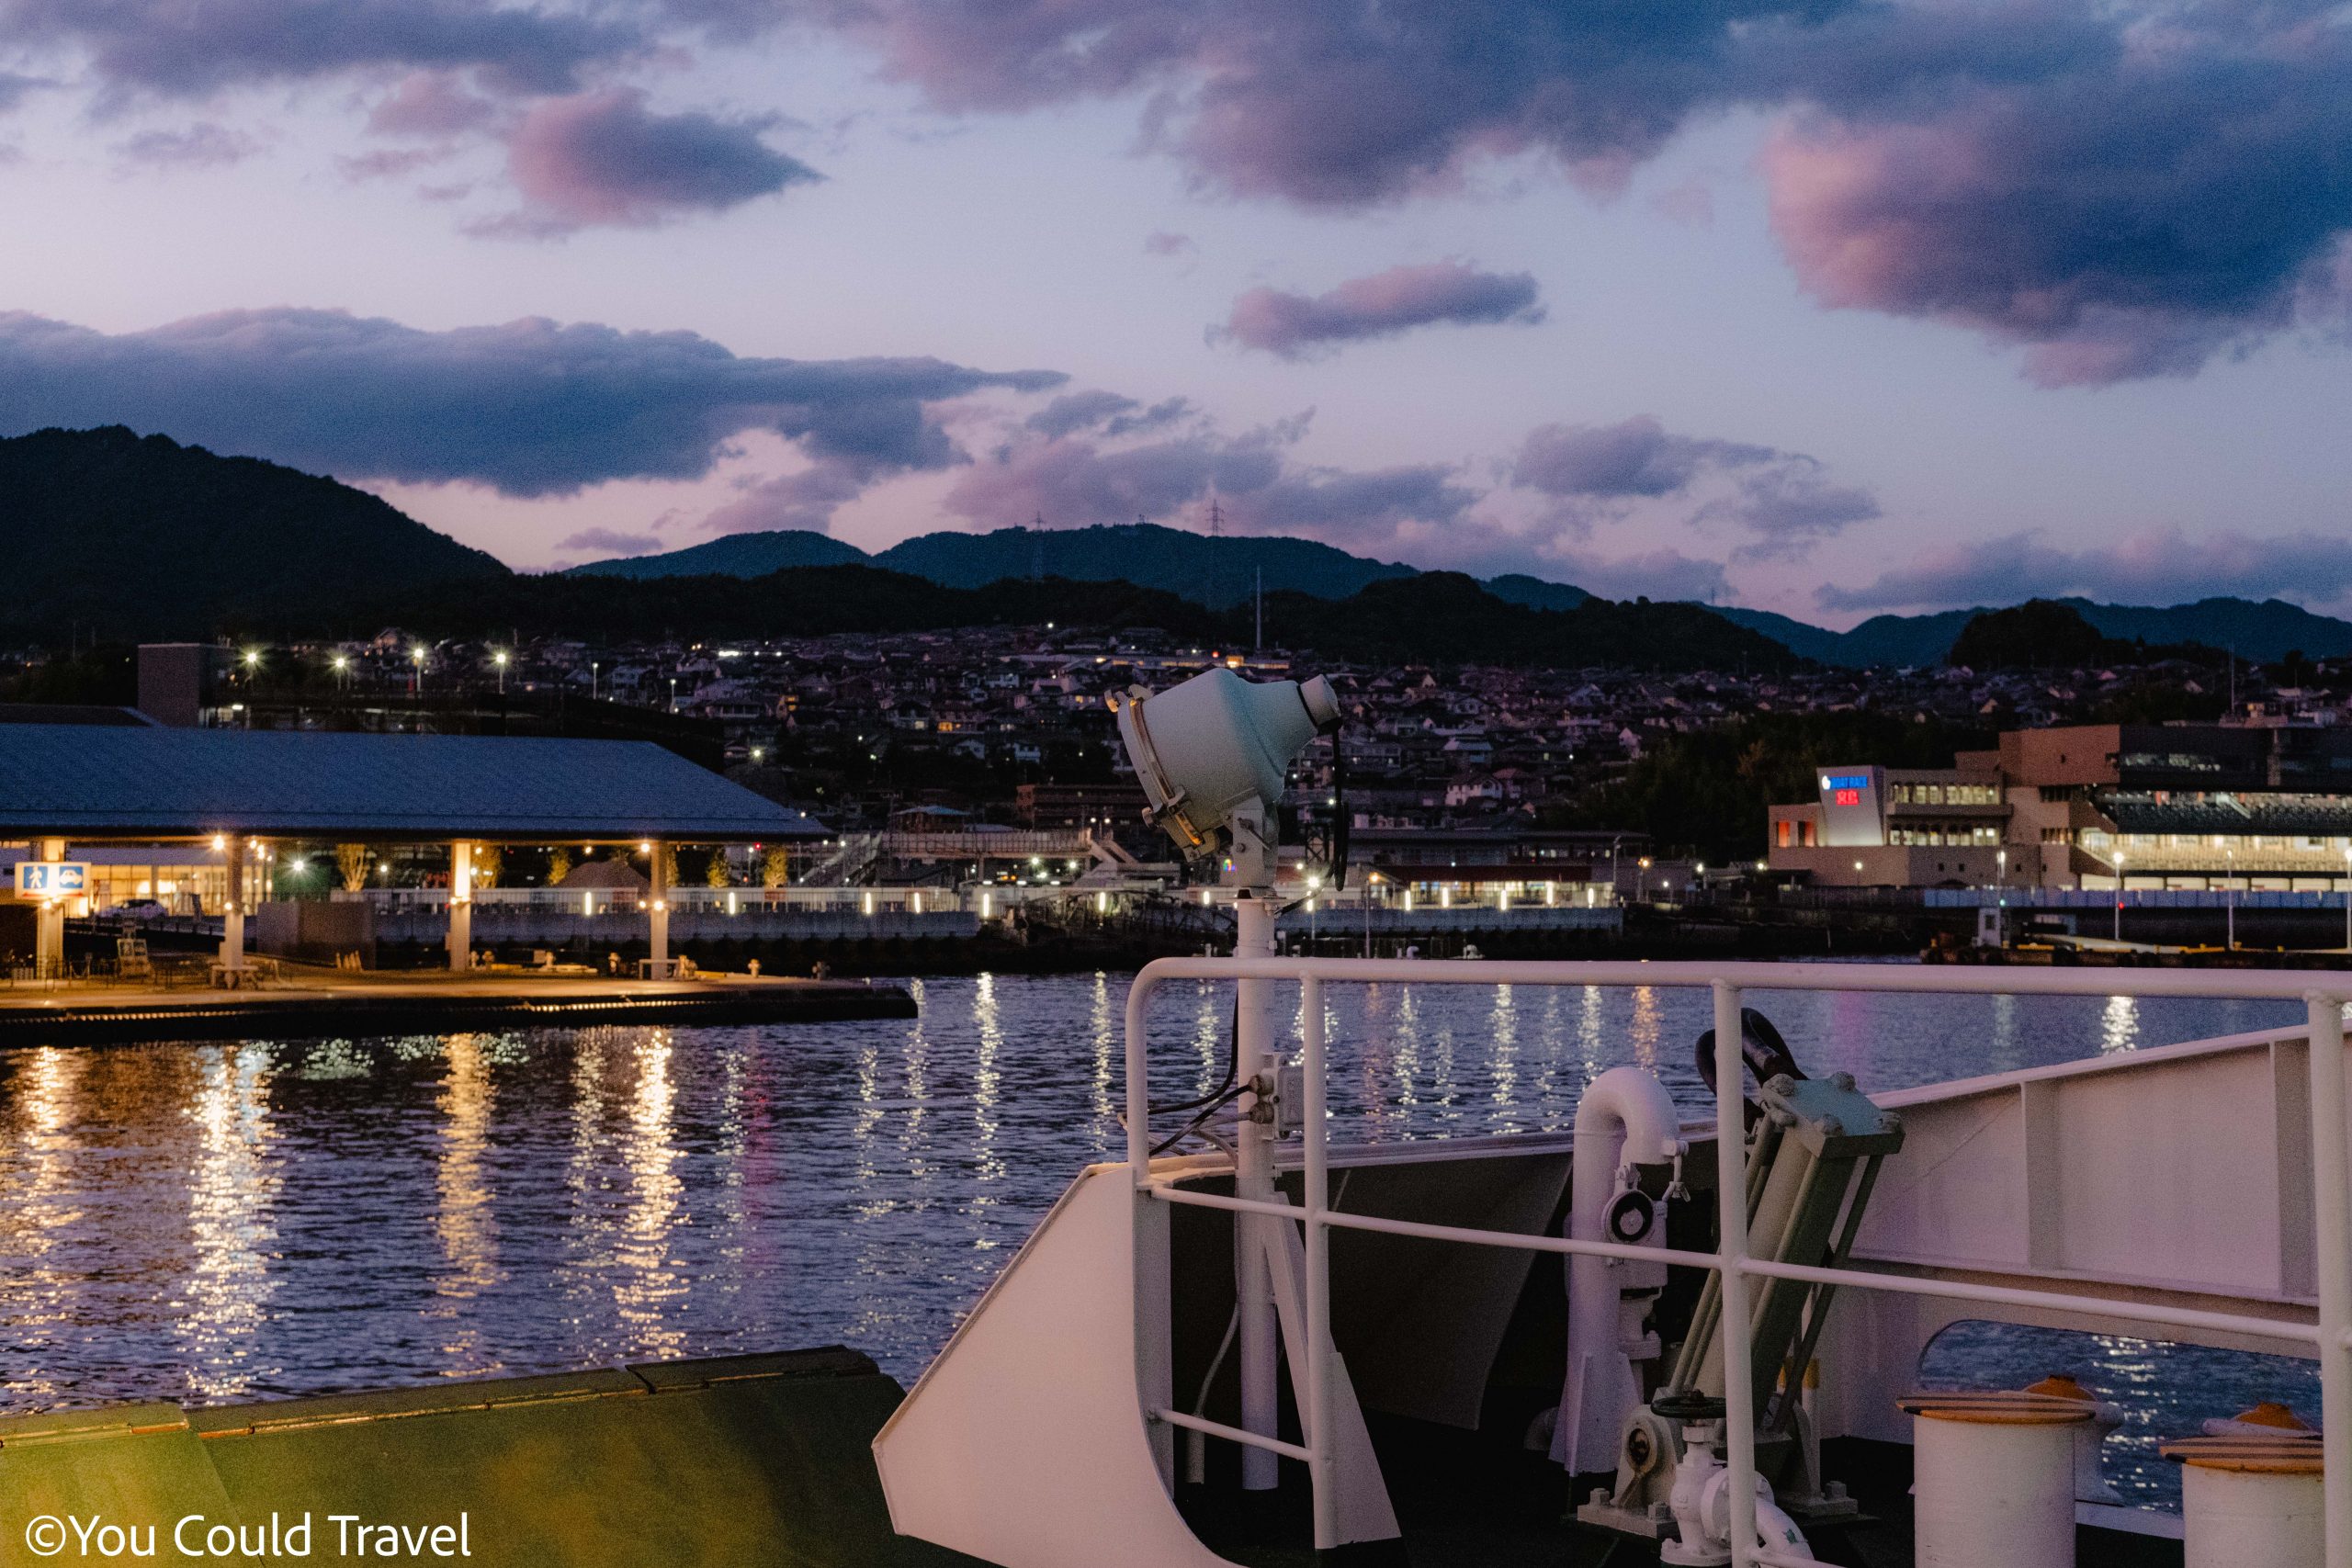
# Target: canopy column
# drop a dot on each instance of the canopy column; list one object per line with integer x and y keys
{"x": 461, "y": 905}
{"x": 658, "y": 912}
{"x": 234, "y": 855}
{"x": 49, "y": 917}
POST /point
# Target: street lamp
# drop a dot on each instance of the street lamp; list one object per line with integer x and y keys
{"x": 498, "y": 659}
{"x": 2119, "y": 895}
{"x": 1642, "y": 882}
{"x": 2001, "y": 896}
{"x": 2230, "y": 899}
{"x": 342, "y": 668}
{"x": 417, "y": 682}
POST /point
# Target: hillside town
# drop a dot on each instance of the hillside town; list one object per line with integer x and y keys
{"x": 1016, "y": 726}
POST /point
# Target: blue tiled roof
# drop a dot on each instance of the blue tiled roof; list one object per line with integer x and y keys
{"x": 96, "y": 781}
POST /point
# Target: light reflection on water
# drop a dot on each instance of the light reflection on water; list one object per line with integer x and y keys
{"x": 200, "y": 1221}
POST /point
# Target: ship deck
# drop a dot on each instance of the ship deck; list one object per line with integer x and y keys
{"x": 1468, "y": 1500}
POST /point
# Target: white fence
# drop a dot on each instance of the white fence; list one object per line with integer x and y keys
{"x": 2330, "y": 1334}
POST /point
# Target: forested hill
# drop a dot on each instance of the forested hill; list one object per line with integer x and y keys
{"x": 141, "y": 538}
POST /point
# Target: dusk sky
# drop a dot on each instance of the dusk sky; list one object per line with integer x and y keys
{"x": 1827, "y": 308}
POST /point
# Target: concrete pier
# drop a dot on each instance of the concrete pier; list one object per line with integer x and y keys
{"x": 379, "y": 1004}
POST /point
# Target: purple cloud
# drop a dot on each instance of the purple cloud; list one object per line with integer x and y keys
{"x": 2123, "y": 191}
{"x": 200, "y": 146}
{"x": 606, "y": 541}
{"x": 2123, "y": 225}
{"x": 602, "y": 158}
{"x": 1108, "y": 413}
{"x": 529, "y": 408}
{"x": 174, "y": 49}
{"x": 1166, "y": 243}
{"x": 1594, "y": 471}
{"x": 1295, "y": 326}
{"x": 1636, "y": 457}
{"x": 805, "y": 500}
{"x": 2160, "y": 566}
{"x": 1338, "y": 104}
{"x": 1073, "y": 480}
{"x": 430, "y": 102}
{"x": 391, "y": 163}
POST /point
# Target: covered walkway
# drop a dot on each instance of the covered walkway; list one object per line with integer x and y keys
{"x": 63, "y": 784}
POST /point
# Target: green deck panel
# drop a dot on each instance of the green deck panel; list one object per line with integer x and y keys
{"x": 739, "y": 1462}
{"x": 132, "y": 1464}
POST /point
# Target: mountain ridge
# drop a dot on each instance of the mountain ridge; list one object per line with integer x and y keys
{"x": 189, "y": 539}
{"x": 112, "y": 529}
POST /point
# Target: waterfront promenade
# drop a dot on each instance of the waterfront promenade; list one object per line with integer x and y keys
{"x": 307, "y": 1002}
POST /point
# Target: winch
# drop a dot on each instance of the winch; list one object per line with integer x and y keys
{"x": 1814, "y": 1148}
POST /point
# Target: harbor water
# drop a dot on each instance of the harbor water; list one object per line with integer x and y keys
{"x": 204, "y": 1221}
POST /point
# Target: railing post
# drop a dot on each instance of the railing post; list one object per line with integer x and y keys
{"x": 1138, "y": 1086}
{"x": 1256, "y": 1341}
{"x": 1316, "y": 1193}
{"x": 1731, "y": 1208}
{"x": 2332, "y": 1217}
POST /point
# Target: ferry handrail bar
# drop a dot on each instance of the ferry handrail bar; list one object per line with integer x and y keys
{"x": 2331, "y": 1334}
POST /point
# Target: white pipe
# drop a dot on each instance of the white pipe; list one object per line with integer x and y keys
{"x": 1254, "y": 1178}
{"x": 1731, "y": 1208}
{"x": 2332, "y": 1219}
{"x": 2284, "y": 1332}
{"x": 1624, "y": 1116}
{"x": 1925, "y": 979}
{"x": 1322, "y": 1471}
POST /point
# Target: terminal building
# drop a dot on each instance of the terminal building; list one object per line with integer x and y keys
{"x": 95, "y": 814}
{"x": 2255, "y": 806}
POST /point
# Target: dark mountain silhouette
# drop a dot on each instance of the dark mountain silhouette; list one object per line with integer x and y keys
{"x": 1218, "y": 572}
{"x": 141, "y": 537}
{"x": 2266, "y": 630}
{"x": 1518, "y": 588}
{"x": 733, "y": 555}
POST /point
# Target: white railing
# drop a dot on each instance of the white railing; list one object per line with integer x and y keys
{"x": 2329, "y": 1335}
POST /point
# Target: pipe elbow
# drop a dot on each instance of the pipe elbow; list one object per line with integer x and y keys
{"x": 1631, "y": 1100}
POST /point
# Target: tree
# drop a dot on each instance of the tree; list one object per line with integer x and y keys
{"x": 559, "y": 865}
{"x": 714, "y": 871}
{"x": 775, "y": 866}
{"x": 351, "y": 862}
{"x": 490, "y": 861}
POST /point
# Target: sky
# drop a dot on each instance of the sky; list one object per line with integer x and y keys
{"x": 1826, "y": 307}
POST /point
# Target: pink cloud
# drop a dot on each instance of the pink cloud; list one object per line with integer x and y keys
{"x": 602, "y": 158}
{"x": 1381, "y": 305}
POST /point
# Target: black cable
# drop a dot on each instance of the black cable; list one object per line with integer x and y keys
{"x": 1232, "y": 1075}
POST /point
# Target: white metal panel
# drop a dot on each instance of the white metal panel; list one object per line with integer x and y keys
{"x": 1024, "y": 1442}
{"x": 1957, "y": 1191}
{"x": 2170, "y": 1174}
